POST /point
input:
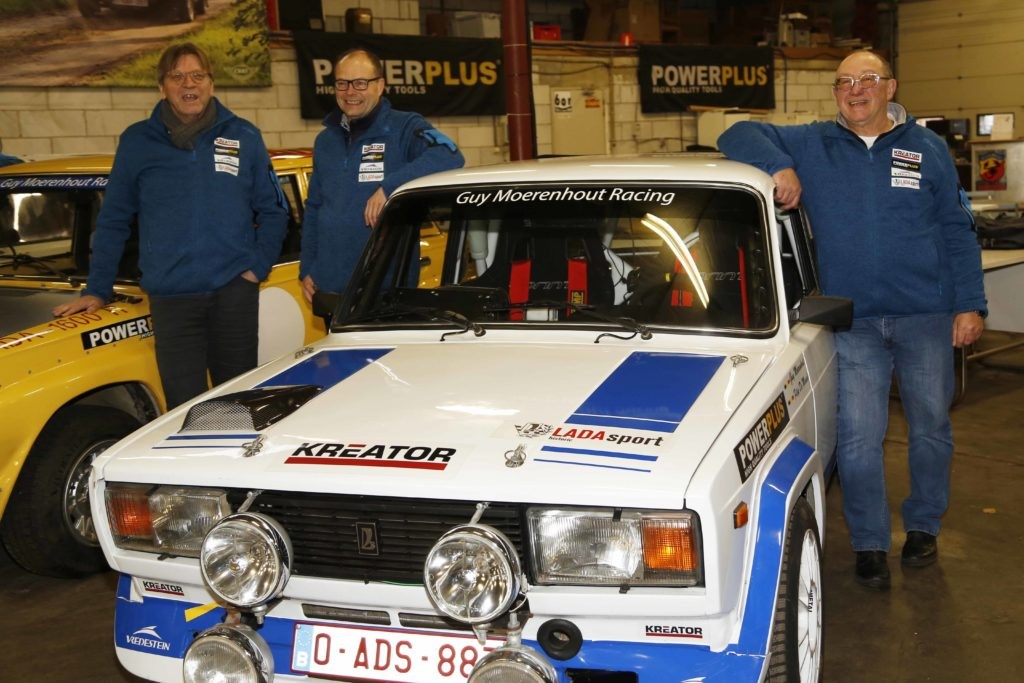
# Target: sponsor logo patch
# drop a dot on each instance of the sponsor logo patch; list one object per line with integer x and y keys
{"x": 904, "y": 173}
{"x": 375, "y": 147}
{"x": 371, "y": 177}
{"x": 225, "y": 168}
{"x": 227, "y": 142}
{"x": 225, "y": 159}
{"x": 368, "y": 166}
{"x": 909, "y": 165}
{"x": 101, "y": 336}
{"x": 372, "y": 455}
{"x": 912, "y": 183}
{"x": 765, "y": 432}
{"x": 906, "y": 155}
{"x": 375, "y": 156}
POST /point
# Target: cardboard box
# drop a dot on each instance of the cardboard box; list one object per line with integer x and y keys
{"x": 476, "y": 24}
{"x": 608, "y": 20}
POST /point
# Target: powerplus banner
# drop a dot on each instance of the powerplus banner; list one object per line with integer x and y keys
{"x": 428, "y": 75}
{"x": 674, "y": 77}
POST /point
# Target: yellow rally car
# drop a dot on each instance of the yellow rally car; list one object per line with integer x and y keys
{"x": 71, "y": 387}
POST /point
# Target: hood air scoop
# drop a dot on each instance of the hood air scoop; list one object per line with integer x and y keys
{"x": 251, "y": 410}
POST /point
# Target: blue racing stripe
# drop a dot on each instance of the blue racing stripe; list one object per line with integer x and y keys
{"x": 608, "y": 454}
{"x": 591, "y": 464}
{"x": 326, "y": 368}
{"x": 650, "y": 391}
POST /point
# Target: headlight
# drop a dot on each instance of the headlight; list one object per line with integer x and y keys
{"x": 246, "y": 559}
{"x": 473, "y": 574}
{"x": 163, "y": 519}
{"x": 229, "y": 654}
{"x": 513, "y": 664}
{"x": 593, "y": 546}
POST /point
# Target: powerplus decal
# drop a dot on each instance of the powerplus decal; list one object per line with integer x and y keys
{"x": 765, "y": 432}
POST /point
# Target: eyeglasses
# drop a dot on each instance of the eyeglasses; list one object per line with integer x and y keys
{"x": 197, "y": 77}
{"x": 865, "y": 81}
{"x": 356, "y": 83}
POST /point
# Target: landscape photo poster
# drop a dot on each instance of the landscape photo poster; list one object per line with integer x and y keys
{"x": 117, "y": 43}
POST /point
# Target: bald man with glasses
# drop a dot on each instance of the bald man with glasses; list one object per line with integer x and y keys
{"x": 366, "y": 150}
{"x": 893, "y": 232}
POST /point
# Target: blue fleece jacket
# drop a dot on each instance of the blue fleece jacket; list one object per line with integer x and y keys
{"x": 397, "y": 147}
{"x": 890, "y": 229}
{"x": 205, "y": 216}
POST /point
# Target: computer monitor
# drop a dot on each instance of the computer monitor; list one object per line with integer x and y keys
{"x": 928, "y": 121}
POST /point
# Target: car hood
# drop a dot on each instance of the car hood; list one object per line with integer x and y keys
{"x": 559, "y": 423}
{"x": 22, "y": 308}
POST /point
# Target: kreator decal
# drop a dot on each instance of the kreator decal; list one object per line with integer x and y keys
{"x": 164, "y": 588}
{"x": 666, "y": 631}
{"x": 372, "y": 455}
{"x": 755, "y": 445}
{"x": 136, "y": 327}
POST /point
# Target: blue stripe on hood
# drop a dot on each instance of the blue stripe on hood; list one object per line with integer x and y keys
{"x": 651, "y": 391}
{"x": 326, "y": 368}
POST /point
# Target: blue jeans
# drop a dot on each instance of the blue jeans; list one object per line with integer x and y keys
{"x": 199, "y": 333}
{"x": 920, "y": 350}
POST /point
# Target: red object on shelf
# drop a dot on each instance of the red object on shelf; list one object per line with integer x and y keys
{"x": 547, "y": 32}
{"x": 626, "y": 38}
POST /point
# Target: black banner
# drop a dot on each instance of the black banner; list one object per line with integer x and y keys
{"x": 674, "y": 77}
{"x": 428, "y": 75}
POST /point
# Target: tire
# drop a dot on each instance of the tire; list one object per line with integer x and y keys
{"x": 796, "y": 640}
{"x": 47, "y": 527}
{"x": 89, "y": 8}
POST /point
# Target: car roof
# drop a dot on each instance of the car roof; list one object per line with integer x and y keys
{"x": 101, "y": 163}
{"x": 695, "y": 167}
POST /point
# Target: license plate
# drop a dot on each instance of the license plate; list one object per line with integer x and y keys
{"x": 393, "y": 655}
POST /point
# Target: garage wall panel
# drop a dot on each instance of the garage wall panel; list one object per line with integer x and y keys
{"x": 959, "y": 59}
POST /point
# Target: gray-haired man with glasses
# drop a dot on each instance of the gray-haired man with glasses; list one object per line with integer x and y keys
{"x": 211, "y": 217}
{"x": 904, "y": 250}
{"x": 366, "y": 150}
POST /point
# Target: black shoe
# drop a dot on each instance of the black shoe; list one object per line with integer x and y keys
{"x": 872, "y": 569}
{"x": 920, "y": 549}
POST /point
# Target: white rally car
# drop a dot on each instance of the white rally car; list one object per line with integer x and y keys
{"x": 596, "y": 451}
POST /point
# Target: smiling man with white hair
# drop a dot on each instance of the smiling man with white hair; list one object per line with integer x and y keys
{"x": 894, "y": 233}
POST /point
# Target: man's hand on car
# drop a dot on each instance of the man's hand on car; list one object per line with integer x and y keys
{"x": 87, "y": 303}
{"x": 787, "y": 188}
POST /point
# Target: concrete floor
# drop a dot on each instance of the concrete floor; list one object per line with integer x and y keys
{"x": 959, "y": 620}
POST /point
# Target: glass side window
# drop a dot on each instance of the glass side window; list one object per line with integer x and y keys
{"x": 662, "y": 255}
{"x": 293, "y": 238}
{"x": 38, "y": 223}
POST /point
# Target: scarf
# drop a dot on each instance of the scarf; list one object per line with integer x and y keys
{"x": 183, "y": 135}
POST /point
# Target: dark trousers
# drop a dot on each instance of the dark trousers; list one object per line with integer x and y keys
{"x": 216, "y": 332}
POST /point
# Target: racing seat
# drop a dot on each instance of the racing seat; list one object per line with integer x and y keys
{"x": 568, "y": 267}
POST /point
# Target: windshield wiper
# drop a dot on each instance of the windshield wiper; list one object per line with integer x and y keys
{"x": 586, "y": 309}
{"x": 15, "y": 259}
{"x": 426, "y": 313}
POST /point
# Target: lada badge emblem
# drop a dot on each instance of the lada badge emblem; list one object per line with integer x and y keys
{"x": 367, "y": 539}
{"x": 532, "y": 429}
{"x": 515, "y": 458}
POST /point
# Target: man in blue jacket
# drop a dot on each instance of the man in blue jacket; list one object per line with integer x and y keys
{"x": 211, "y": 220}
{"x": 366, "y": 150}
{"x": 893, "y": 233}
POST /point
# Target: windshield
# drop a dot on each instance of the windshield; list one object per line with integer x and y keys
{"x": 574, "y": 254}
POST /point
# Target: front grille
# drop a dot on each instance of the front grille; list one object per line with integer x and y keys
{"x": 325, "y": 535}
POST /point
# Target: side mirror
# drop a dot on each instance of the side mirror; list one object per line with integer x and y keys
{"x": 325, "y": 304}
{"x": 833, "y": 311}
